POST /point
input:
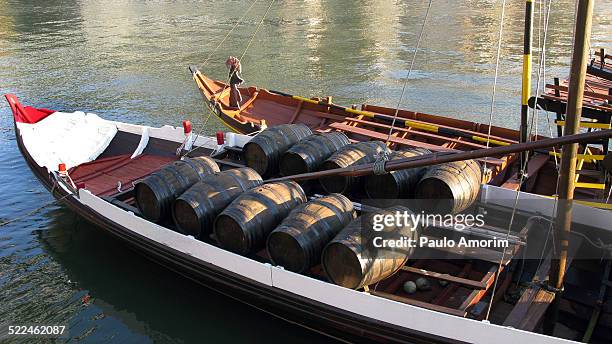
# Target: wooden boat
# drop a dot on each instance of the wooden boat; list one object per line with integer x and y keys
{"x": 92, "y": 164}
{"x": 262, "y": 108}
{"x": 596, "y": 107}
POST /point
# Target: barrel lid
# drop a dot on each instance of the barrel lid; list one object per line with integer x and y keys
{"x": 256, "y": 158}
{"x": 342, "y": 265}
{"x": 439, "y": 195}
{"x": 230, "y": 235}
{"x": 383, "y": 186}
{"x": 292, "y": 163}
{"x": 333, "y": 184}
{"x": 286, "y": 251}
{"x": 147, "y": 201}
{"x": 185, "y": 218}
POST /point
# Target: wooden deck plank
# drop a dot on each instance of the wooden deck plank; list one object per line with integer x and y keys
{"x": 380, "y": 136}
{"x": 476, "y": 295}
{"x": 588, "y": 94}
{"x": 423, "y": 134}
{"x": 446, "y": 277}
{"x": 534, "y": 302}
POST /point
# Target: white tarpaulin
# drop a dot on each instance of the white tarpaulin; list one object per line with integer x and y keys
{"x": 69, "y": 138}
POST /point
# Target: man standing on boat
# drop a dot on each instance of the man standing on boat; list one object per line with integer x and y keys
{"x": 233, "y": 64}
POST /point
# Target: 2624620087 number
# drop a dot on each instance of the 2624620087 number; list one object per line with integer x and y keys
{"x": 36, "y": 330}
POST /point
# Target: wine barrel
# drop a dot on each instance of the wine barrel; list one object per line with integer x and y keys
{"x": 263, "y": 152}
{"x": 195, "y": 210}
{"x": 156, "y": 192}
{"x": 296, "y": 244}
{"x": 245, "y": 224}
{"x": 353, "y": 154}
{"x": 308, "y": 154}
{"x": 396, "y": 184}
{"x": 351, "y": 259}
{"x": 450, "y": 187}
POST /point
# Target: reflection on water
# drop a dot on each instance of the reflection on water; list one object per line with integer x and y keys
{"x": 128, "y": 61}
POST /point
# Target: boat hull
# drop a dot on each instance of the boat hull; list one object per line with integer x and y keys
{"x": 330, "y": 321}
{"x": 334, "y": 311}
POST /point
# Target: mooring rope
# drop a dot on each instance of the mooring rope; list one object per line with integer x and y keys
{"x": 32, "y": 212}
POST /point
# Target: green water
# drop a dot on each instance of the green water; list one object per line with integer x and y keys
{"x": 128, "y": 61}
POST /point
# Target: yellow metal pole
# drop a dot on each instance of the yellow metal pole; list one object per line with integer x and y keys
{"x": 526, "y": 82}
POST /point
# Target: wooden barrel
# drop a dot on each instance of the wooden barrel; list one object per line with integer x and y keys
{"x": 450, "y": 187}
{"x": 195, "y": 210}
{"x": 155, "y": 193}
{"x": 396, "y": 184}
{"x": 264, "y": 151}
{"x": 353, "y": 154}
{"x": 352, "y": 261}
{"x": 308, "y": 154}
{"x": 296, "y": 244}
{"x": 245, "y": 224}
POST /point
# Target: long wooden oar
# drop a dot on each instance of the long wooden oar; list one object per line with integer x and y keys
{"x": 443, "y": 157}
{"x": 401, "y": 122}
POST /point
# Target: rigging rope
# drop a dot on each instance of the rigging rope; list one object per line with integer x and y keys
{"x": 416, "y": 49}
{"x": 499, "y": 43}
{"x": 229, "y": 32}
{"x": 257, "y": 28}
{"x": 523, "y": 168}
{"x": 379, "y": 164}
{"x": 204, "y": 63}
{"x": 210, "y": 112}
{"x": 541, "y": 71}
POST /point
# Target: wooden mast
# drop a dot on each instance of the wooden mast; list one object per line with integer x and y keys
{"x": 567, "y": 174}
{"x": 526, "y": 80}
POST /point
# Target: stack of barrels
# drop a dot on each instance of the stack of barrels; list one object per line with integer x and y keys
{"x": 245, "y": 216}
{"x": 298, "y": 241}
{"x": 354, "y": 154}
{"x": 397, "y": 184}
{"x": 194, "y": 212}
{"x": 263, "y": 152}
{"x": 292, "y": 149}
{"x": 245, "y": 224}
{"x": 309, "y": 154}
{"x": 156, "y": 193}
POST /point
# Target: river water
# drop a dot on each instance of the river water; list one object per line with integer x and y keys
{"x": 128, "y": 61}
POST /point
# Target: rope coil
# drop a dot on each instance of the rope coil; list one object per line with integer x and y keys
{"x": 379, "y": 165}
